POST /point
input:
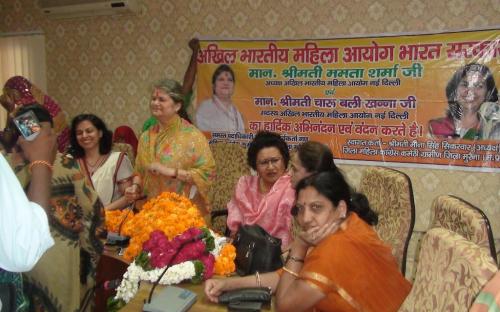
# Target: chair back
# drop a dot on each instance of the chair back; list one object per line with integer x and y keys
{"x": 231, "y": 164}
{"x": 450, "y": 273}
{"x": 461, "y": 217}
{"x": 390, "y": 194}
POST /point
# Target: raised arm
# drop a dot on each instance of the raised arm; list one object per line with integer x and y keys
{"x": 190, "y": 74}
{"x": 41, "y": 153}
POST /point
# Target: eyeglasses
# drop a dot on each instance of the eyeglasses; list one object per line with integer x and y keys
{"x": 270, "y": 161}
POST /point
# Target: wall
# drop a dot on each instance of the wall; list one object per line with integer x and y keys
{"x": 105, "y": 64}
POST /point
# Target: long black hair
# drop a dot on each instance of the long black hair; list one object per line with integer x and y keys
{"x": 105, "y": 142}
{"x": 334, "y": 186}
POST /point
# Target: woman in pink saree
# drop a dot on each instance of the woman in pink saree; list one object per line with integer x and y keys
{"x": 267, "y": 198}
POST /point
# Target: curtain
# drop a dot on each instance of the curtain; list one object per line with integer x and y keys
{"x": 22, "y": 54}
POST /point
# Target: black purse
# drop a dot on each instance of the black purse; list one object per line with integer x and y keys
{"x": 252, "y": 294}
{"x": 256, "y": 250}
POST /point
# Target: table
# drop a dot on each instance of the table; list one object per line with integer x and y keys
{"x": 202, "y": 304}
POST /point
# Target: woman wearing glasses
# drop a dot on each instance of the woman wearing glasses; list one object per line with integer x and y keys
{"x": 267, "y": 198}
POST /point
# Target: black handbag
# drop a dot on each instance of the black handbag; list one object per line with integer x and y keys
{"x": 256, "y": 250}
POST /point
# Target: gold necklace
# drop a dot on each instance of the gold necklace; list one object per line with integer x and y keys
{"x": 95, "y": 163}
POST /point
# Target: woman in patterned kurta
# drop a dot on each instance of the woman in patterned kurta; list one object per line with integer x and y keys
{"x": 173, "y": 155}
{"x": 67, "y": 270}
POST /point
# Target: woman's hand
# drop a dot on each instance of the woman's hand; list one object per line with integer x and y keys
{"x": 133, "y": 193}
{"x": 156, "y": 168}
{"x": 316, "y": 234}
{"x": 214, "y": 288}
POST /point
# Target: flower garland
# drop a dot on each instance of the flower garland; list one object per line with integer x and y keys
{"x": 168, "y": 231}
{"x": 116, "y": 218}
{"x": 169, "y": 212}
{"x": 224, "y": 263}
{"x": 190, "y": 254}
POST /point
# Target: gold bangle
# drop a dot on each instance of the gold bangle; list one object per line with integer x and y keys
{"x": 41, "y": 162}
{"x": 291, "y": 272}
{"x": 294, "y": 259}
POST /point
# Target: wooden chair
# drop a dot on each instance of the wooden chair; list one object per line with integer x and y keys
{"x": 451, "y": 271}
{"x": 231, "y": 163}
{"x": 461, "y": 217}
{"x": 390, "y": 194}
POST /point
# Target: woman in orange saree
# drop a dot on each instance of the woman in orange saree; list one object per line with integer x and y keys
{"x": 337, "y": 263}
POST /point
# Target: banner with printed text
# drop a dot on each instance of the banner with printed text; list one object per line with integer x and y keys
{"x": 413, "y": 100}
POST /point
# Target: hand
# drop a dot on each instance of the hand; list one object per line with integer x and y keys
{"x": 7, "y": 102}
{"x": 43, "y": 147}
{"x": 155, "y": 168}
{"x": 132, "y": 193}
{"x": 194, "y": 44}
{"x": 214, "y": 288}
{"x": 316, "y": 234}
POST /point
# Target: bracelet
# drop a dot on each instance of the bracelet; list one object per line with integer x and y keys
{"x": 41, "y": 162}
{"x": 294, "y": 259}
{"x": 176, "y": 173}
{"x": 291, "y": 272}
{"x": 257, "y": 277}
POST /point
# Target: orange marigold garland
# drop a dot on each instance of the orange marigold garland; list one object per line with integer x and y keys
{"x": 224, "y": 263}
{"x": 169, "y": 212}
{"x": 116, "y": 218}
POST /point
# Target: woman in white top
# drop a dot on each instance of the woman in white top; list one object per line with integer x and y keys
{"x": 110, "y": 172}
{"x": 219, "y": 113}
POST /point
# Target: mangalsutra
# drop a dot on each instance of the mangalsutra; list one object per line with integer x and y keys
{"x": 96, "y": 164}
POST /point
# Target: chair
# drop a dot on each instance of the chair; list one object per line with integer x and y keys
{"x": 390, "y": 194}
{"x": 450, "y": 273}
{"x": 461, "y": 217}
{"x": 231, "y": 163}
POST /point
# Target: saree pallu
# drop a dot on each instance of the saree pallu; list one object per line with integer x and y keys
{"x": 179, "y": 145}
{"x": 61, "y": 277}
{"x": 272, "y": 211}
{"x": 105, "y": 180}
{"x": 355, "y": 270}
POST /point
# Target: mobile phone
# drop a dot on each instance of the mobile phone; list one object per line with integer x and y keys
{"x": 28, "y": 125}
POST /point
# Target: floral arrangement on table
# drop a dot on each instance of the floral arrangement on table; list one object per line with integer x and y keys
{"x": 168, "y": 231}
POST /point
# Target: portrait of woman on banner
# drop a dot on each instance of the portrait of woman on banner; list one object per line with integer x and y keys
{"x": 473, "y": 109}
{"x": 219, "y": 113}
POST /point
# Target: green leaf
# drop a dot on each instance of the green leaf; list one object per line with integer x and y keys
{"x": 113, "y": 305}
{"x": 208, "y": 239}
{"x": 142, "y": 260}
{"x": 198, "y": 269}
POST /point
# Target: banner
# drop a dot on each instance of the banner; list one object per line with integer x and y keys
{"x": 414, "y": 100}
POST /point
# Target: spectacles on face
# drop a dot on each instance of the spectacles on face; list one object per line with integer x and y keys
{"x": 270, "y": 161}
